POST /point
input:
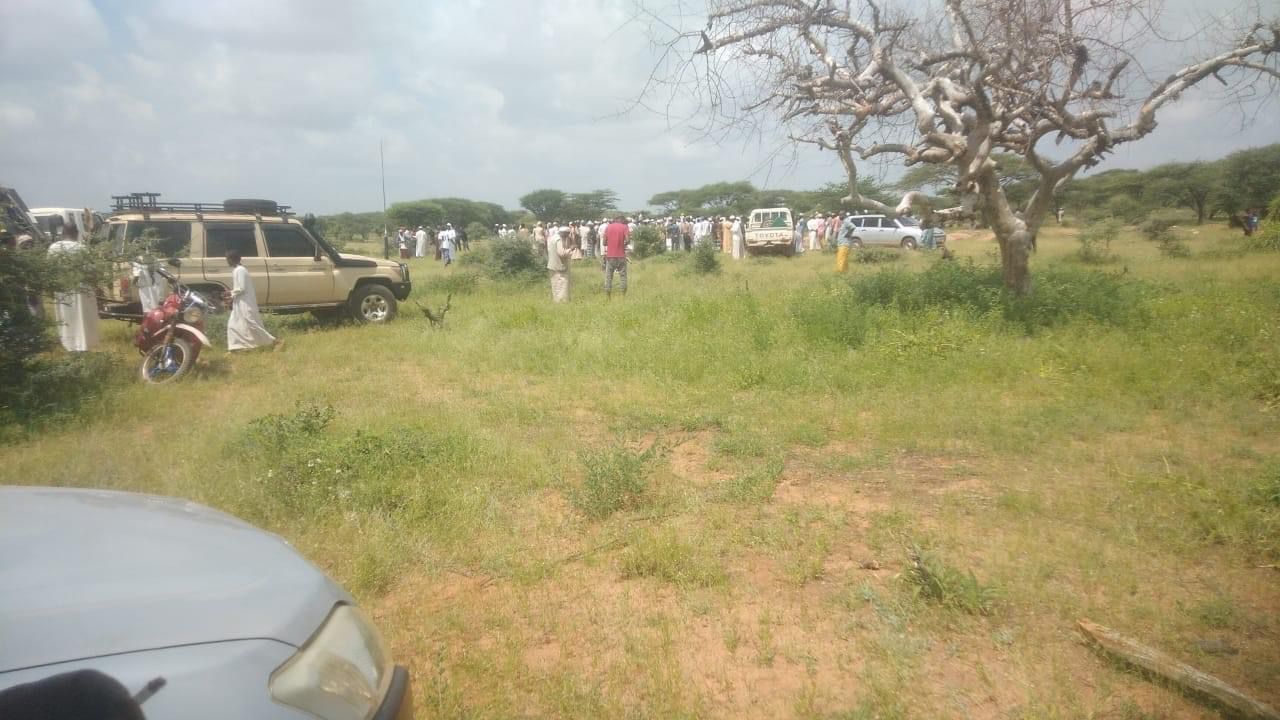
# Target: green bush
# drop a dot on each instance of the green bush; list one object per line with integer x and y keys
{"x": 1159, "y": 224}
{"x": 1095, "y": 241}
{"x": 876, "y": 256}
{"x": 616, "y": 479}
{"x": 1126, "y": 209}
{"x": 514, "y": 260}
{"x": 706, "y": 259}
{"x": 847, "y": 311}
{"x": 59, "y": 385}
{"x": 1267, "y": 238}
{"x": 648, "y": 240}
{"x": 934, "y": 580}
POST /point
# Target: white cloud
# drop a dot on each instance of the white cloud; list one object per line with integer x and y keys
{"x": 290, "y": 99}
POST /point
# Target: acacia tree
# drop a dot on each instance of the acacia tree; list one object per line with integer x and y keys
{"x": 864, "y": 78}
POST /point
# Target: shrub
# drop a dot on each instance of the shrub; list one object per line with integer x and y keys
{"x": 514, "y": 260}
{"x": 1173, "y": 246}
{"x": 616, "y": 479}
{"x": 1095, "y": 241}
{"x": 706, "y": 259}
{"x": 648, "y": 240}
{"x": 875, "y": 256}
{"x": 936, "y": 581}
{"x": 1159, "y": 224}
{"x": 847, "y": 311}
{"x": 1161, "y": 227}
{"x": 1126, "y": 209}
{"x": 59, "y": 385}
{"x": 1267, "y": 238}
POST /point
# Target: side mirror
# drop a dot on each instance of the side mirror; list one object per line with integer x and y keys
{"x": 173, "y": 262}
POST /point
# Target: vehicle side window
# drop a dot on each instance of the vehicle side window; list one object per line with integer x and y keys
{"x": 756, "y": 219}
{"x": 163, "y": 238}
{"x": 221, "y": 237}
{"x": 287, "y": 241}
{"x": 873, "y": 223}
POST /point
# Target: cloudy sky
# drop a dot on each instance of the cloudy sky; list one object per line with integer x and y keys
{"x": 487, "y": 99}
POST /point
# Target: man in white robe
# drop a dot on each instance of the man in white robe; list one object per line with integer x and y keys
{"x": 244, "y": 327}
{"x": 739, "y": 243}
{"x": 76, "y": 311}
{"x": 421, "y": 237}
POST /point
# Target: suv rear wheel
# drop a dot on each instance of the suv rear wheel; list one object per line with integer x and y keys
{"x": 908, "y": 243}
{"x": 373, "y": 303}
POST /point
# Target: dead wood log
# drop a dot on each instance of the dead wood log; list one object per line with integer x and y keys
{"x": 1180, "y": 674}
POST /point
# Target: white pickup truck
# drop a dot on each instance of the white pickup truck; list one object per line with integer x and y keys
{"x": 770, "y": 229}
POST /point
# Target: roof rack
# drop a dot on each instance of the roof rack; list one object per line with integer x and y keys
{"x": 147, "y": 202}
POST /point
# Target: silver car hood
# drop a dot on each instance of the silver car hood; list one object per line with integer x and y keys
{"x": 86, "y": 573}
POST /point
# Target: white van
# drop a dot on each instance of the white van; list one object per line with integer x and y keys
{"x": 52, "y": 220}
{"x": 770, "y": 229}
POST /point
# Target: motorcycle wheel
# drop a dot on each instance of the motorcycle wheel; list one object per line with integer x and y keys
{"x": 156, "y": 370}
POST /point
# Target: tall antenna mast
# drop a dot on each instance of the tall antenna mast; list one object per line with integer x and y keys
{"x": 382, "y": 161}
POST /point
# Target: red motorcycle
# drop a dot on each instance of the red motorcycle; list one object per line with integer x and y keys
{"x": 172, "y": 335}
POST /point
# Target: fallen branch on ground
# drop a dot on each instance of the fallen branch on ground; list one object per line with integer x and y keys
{"x": 1181, "y": 674}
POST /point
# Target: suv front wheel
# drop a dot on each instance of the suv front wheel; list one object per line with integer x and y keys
{"x": 373, "y": 303}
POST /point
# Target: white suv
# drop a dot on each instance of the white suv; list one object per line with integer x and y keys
{"x": 901, "y": 232}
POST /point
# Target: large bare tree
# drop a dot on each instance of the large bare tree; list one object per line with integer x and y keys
{"x": 960, "y": 83}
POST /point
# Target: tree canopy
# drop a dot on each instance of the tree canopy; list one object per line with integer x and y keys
{"x": 551, "y": 204}
{"x": 865, "y": 79}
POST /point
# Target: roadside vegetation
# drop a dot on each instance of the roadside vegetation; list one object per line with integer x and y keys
{"x": 761, "y": 490}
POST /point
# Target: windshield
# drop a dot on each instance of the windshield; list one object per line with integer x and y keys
{"x": 909, "y": 221}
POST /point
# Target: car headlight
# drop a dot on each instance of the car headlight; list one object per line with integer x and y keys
{"x": 341, "y": 673}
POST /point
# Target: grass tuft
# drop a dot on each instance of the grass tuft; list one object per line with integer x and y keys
{"x": 616, "y": 479}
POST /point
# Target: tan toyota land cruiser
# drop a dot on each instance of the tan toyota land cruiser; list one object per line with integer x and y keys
{"x": 292, "y": 270}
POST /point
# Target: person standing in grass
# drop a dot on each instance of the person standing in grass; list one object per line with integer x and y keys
{"x": 726, "y": 234}
{"x": 421, "y": 237}
{"x": 75, "y": 310}
{"x": 844, "y": 245}
{"x": 615, "y": 255}
{"x": 447, "y": 238}
{"x": 244, "y": 327}
{"x": 739, "y": 244}
{"x": 798, "y": 237}
{"x": 559, "y": 252}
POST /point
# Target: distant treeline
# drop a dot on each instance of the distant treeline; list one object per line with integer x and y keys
{"x": 1229, "y": 186}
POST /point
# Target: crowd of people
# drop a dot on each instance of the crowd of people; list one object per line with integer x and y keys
{"x": 443, "y": 243}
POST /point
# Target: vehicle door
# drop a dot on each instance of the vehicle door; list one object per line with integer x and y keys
{"x": 874, "y": 232}
{"x": 219, "y": 237}
{"x": 300, "y": 273}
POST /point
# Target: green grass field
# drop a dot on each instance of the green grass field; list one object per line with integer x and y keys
{"x": 758, "y": 494}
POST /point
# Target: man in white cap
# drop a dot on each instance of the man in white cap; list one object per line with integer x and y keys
{"x": 559, "y": 251}
{"x": 447, "y": 237}
{"x": 421, "y": 237}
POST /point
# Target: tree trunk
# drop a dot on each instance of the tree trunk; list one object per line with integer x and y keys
{"x": 1015, "y": 254}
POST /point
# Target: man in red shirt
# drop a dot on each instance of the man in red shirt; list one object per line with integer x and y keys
{"x": 615, "y": 254}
